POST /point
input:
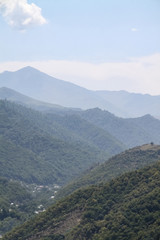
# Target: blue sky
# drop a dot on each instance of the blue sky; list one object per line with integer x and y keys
{"x": 98, "y": 44}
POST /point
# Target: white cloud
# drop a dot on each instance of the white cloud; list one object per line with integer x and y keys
{"x": 21, "y": 15}
{"x": 137, "y": 75}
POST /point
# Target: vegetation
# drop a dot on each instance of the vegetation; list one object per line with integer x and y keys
{"x": 83, "y": 131}
{"x": 130, "y": 132}
{"x": 47, "y": 149}
{"x": 19, "y": 202}
{"x": 16, "y": 204}
{"x": 29, "y": 153}
{"x": 127, "y": 207}
{"x": 129, "y": 160}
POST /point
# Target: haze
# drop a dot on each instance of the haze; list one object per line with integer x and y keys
{"x": 100, "y": 44}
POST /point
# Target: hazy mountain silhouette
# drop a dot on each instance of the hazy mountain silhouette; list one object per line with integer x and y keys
{"x": 43, "y": 87}
{"x": 14, "y": 96}
{"x": 40, "y": 86}
{"x": 133, "y": 104}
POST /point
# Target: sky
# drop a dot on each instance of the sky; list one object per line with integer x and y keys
{"x": 96, "y": 44}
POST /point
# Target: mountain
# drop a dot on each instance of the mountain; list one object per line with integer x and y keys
{"x": 31, "y": 154}
{"x": 130, "y": 131}
{"x": 127, "y": 207}
{"x": 86, "y": 132}
{"x": 59, "y": 147}
{"x": 55, "y": 148}
{"x": 14, "y": 96}
{"x": 127, "y": 161}
{"x": 43, "y": 87}
{"x": 124, "y": 131}
{"x": 132, "y": 104}
{"x": 37, "y": 85}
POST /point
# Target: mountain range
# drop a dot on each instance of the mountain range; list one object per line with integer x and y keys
{"x": 55, "y": 134}
{"x": 43, "y": 87}
{"x": 133, "y": 104}
{"x": 130, "y": 131}
{"x": 14, "y": 96}
{"x": 43, "y": 148}
{"x": 37, "y": 85}
{"x": 31, "y": 150}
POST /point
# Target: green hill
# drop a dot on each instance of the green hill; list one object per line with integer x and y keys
{"x": 31, "y": 154}
{"x": 80, "y": 130}
{"x": 127, "y": 207}
{"x": 131, "y": 132}
{"x": 64, "y": 124}
{"x": 127, "y": 161}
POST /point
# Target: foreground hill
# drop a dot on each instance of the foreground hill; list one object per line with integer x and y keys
{"x": 30, "y": 154}
{"x": 127, "y": 161}
{"x": 127, "y": 207}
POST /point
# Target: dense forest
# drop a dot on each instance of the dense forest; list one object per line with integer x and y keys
{"x": 40, "y": 152}
{"x": 126, "y": 161}
{"x": 130, "y": 131}
{"x": 127, "y": 207}
{"x": 31, "y": 154}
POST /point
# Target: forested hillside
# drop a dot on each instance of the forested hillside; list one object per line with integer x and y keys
{"x": 29, "y": 153}
{"x": 16, "y": 204}
{"x": 127, "y": 161}
{"x": 127, "y": 207}
{"x": 85, "y": 132}
{"x": 131, "y": 132}
{"x": 48, "y": 148}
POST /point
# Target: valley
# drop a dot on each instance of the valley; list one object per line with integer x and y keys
{"x": 79, "y": 120}
{"x": 69, "y": 173}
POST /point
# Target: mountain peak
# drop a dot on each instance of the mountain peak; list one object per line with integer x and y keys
{"x": 28, "y": 69}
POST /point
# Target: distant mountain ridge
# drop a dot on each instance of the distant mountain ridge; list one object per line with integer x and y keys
{"x": 133, "y": 104}
{"x": 14, "y": 96}
{"x": 43, "y": 87}
{"x": 37, "y": 85}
